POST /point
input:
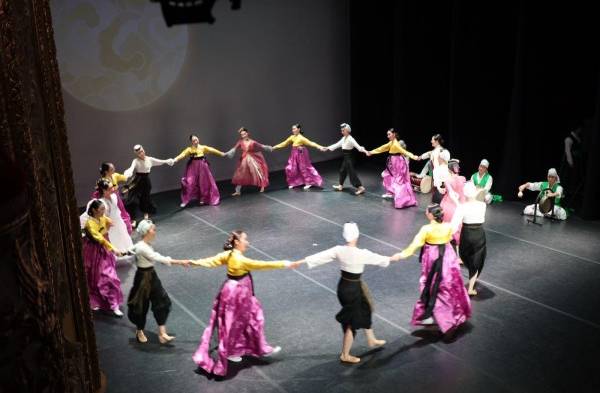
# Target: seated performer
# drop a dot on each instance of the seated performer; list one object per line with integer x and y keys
{"x": 353, "y": 293}
{"x": 483, "y": 180}
{"x": 347, "y": 143}
{"x": 548, "y": 189}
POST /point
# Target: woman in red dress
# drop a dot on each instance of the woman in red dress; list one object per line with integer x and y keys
{"x": 251, "y": 168}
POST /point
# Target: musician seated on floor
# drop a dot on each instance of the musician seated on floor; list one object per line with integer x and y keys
{"x": 483, "y": 181}
{"x": 550, "y": 196}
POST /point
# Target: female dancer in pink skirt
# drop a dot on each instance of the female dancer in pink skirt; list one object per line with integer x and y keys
{"x": 454, "y": 195}
{"x": 108, "y": 172}
{"x": 99, "y": 261}
{"x": 396, "y": 178}
{"x": 299, "y": 170}
{"x": 252, "y": 168}
{"x": 444, "y": 300}
{"x": 237, "y": 316}
{"x": 197, "y": 181}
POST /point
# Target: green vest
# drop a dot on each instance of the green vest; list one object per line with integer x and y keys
{"x": 481, "y": 183}
{"x": 553, "y": 189}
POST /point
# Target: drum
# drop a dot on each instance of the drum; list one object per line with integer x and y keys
{"x": 481, "y": 193}
{"x": 421, "y": 184}
{"x": 545, "y": 205}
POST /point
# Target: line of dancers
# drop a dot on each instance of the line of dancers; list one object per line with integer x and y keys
{"x": 453, "y": 235}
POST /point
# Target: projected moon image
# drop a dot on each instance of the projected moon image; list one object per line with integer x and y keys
{"x": 116, "y": 55}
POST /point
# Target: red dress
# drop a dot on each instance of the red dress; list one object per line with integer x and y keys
{"x": 457, "y": 184}
{"x": 252, "y": 168}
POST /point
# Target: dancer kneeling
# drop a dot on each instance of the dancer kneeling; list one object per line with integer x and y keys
{"x": 147, "y": 288}
{"x": 353, "y": 293}
{"x": 444, "y": 299}
{"x": 237, "y": 316}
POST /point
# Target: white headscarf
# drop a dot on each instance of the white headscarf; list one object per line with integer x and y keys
{"x": 350, "y": 231}
{"x": 485, "y": 163}
{"x": 144, "y": 226}
{"x": 346, "y": 125}
{"x": 552, "y": 172}
{"x": 469, "y": 190}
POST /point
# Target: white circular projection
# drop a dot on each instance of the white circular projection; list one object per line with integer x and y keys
{"x": 116, "y": 55}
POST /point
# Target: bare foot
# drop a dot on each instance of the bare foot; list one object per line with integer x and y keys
{"x": 262, "y": 189}
{"x": 165, "y": 338}
{"x": 236, "y": 194}
{"x": 349, "y": 359}
{"x": 376, "y": 343}
{"x": 141, "y": 337}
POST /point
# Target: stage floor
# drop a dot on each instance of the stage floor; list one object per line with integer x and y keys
{"x": 535, "y": 324}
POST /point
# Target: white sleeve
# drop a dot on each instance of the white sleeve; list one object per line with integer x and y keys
{"x": 356, "y": 145}
{"x": 425, "y": 155}
{"x": 152, "y": 255}
{"x": 322, "y": 257}
{"x": 157, "y": 162}
{"x": 129, "y": 171}
{"x": 488, "y": 185}
{"x": 371, "y": 258}
{"x": 457, "y": 218}
{"x": 559, "y": 191}
{"x": 336, "y": 145}
{"x": 536, "y": 186}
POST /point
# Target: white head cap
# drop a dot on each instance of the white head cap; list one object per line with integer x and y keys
{"x": 485, "y": 163}
{"x": 137, "y": 147}
{"x": 350, "y": 231}
{"x": 144, "y": 226}
{"x": 469, "y": 190}
{"x": 552, "y": 172}
{"x": 347, "y": 126}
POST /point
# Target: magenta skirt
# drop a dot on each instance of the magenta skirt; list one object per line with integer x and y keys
{"x": 452, "y": 305}
{"x": 396, "y": 181}
{"x": 198, "y": 183}
{"x": 238, "y": 321}
{"x": 104, "y": 285}
{"x": 300, "y": 171}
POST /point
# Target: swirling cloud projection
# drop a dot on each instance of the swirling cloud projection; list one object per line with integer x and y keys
{"x": 116, "y": 55}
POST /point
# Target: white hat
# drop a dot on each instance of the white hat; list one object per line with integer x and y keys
{"x": 137, "y": 147}
{"x": 144, "y": 226}
{"x": 350, "y": 231}
{"x": 484, "y": 163}
{"x": 469, "y": 190}
{"x": 346, "y": 125}
{"x": 552, "y": 172}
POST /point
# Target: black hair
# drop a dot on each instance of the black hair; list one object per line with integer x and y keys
{"x": 242, "y": 129}
{"x": 395, "y": 133}
{"x": 438, "y": 138}
{"x": 298, "y": 126}
{"x": 437, "y": 212}
{"x": 95, "y": 205}
{"x": 103, "y": 185}
{"x": 104, "y": 168}
{"x": 193, "y": 135}
{"x": 233, "y": 236}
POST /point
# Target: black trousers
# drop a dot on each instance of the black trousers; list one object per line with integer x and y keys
{"x": 138, "y": 196}
{"x": 147, "y": 289}
{"x": 347, "y": 169}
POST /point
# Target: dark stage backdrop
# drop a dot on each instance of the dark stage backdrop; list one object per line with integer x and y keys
{"x": 506, "y": 82}
{"x": 128, "y": 79}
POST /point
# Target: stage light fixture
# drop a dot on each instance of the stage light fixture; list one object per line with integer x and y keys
{"x": 178, "y": 12}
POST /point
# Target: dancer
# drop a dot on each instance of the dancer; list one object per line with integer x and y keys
{"x": 396, "y": 179}
{"x": 472, "y": 249}
{"x": 347, "y": 143}
{"x": 444, "y": 300}
{"x": 483, "y": 181}
{"x": 198, "y": 181}
{"x": 453, "y": 195}
{"x": 138, "y": 192}
{"x": 99, "y": 260}
{"x": 299, "y": 170}
{"x": 147, "y": 288}
{"x": 439, "y": 160}
{"x": 117, "y": 232}
{"x": 252, "y": 169}
{"x": 548, "y": 189}
{"x": 237, "y": 315}
{"x": 353, "y": 293}
{"x": 108, "y": 172}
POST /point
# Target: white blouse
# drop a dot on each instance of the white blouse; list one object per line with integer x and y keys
{"x": 470, "y": 212}
{"x": 347, "y": 143}
{"x": 146, "y": 256}
{"x": 143, "y": 166}
{"x": 537, "y": 186}
{"x": 352, "y": 259}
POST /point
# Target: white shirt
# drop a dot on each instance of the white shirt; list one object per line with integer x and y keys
{"x": 436, "y": 154}
{"x": 143, "y": 166}
{"x": 470, "y": 212}
{"x": 537, "y": 186}
{"x": 352, "y": 259}
{"x": 146, "y": 256}
{"x": 347, "y": 143}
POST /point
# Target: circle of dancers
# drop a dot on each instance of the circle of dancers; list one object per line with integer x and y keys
{"x": 454, "y": 235}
